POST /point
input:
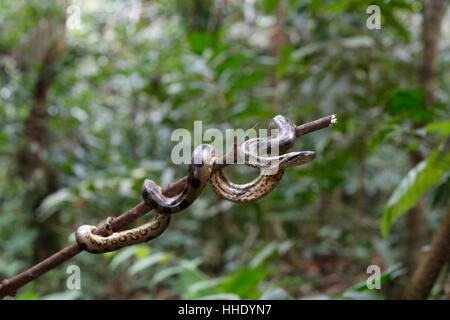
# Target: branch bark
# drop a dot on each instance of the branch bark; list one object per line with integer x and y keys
{"x": 9, "y": 287}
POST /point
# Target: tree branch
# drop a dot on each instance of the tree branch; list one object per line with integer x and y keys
{"x": 9, "y": 287}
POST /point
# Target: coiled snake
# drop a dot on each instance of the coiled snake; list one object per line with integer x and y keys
{"x": 271, "y": 168}
{"x": 200, "y": 172}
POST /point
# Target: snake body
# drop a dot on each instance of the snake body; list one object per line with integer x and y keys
{"x": 271, "y": 168}
{"x": 93, "y": 243}
{"x": 200, "y": 172}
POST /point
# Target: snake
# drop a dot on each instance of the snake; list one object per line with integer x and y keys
{"x": 271, "y": 168}
{"x": 200, "y": 169}
{"x": 93, "y": 243}
{"x": 200, "y": 173}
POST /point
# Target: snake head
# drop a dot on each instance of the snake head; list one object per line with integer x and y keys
{"x": 293, "y": 159}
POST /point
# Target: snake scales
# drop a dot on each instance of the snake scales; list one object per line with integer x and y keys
{"x": 200, "y": 173}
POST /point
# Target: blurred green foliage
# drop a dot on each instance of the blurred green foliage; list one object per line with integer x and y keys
{"x": 135, "y": 71}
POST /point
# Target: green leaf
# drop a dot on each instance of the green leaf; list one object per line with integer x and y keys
{"x": 386, "y": 133}
{"x": 306, "y": 51}
{"x": 171, "y": 271}
{"x": 189, "y": 277}
{"x": 442, "y": 127}
{"x": 315, "y": 6}
{"x": 263, "y": 255}
{"x": 147, "y": 262}
{"x": 142, "y": 252}
{"x": 418, "y": 180}
{"x": 202, "y": 287}
{"x": 269, "y": 5}
{"x": 392, "y": 20}
{"x": 122, "y": 256}
{"x": 53, "y": 202}
{"x": 29, "y": 294}
{"x": 199, "y": 41}
{"x": 338, "y": 6}
{"x": 410, "y": 103}
{"x": 244, "y": 282}
{"x": 246, "y": 81}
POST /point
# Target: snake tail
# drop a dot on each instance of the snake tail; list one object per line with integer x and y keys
{"x": 89, "y": 241}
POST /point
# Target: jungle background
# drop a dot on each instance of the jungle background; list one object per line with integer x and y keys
{"x": 87, "y": 112}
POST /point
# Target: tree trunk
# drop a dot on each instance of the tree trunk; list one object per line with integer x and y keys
{"x": 434, "y": 11}
{"x": 429, "y": 269}
{"x": 33, "y": 157}
{"x": 416, "y": 225}
{"x": 279, "y": 38}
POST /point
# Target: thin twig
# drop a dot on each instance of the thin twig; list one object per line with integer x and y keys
{"x": 9, "y": 287}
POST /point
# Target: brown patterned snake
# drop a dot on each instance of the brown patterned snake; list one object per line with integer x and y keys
{"x": 200, "y": 169}
{"x": 93, "y": 243}
{"x": 271, "y": 168}
{"x": 200, "y": 172}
